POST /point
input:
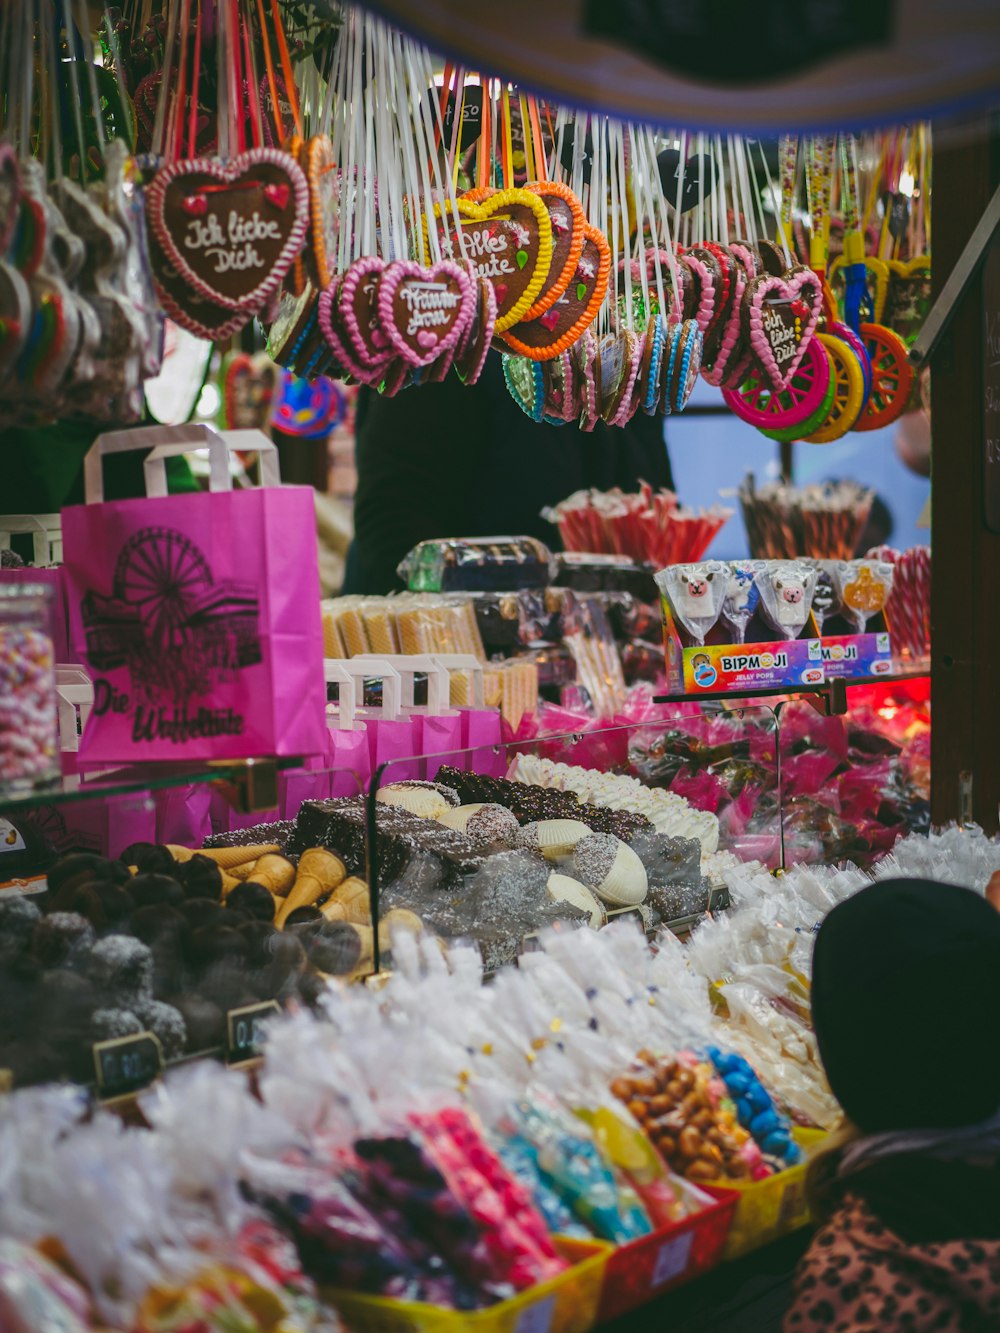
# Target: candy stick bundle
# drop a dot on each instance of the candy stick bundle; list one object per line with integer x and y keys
{"x": 909, "y": 603}
{"x": 648, "y": 527}
{"x": 824, "y": 522}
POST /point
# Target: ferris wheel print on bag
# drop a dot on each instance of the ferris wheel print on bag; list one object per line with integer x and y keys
{"x": 177, "y": 630}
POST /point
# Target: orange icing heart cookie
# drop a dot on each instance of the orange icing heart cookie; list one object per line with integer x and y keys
{"x": 565, "y": 322}
{"x": 508, "y": 239}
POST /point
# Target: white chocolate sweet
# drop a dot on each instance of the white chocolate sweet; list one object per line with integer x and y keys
{"x": 611, "y": 868}
{"x": 429, "y": 800}
{"x": 565, "y": 889}
{"x": 667, "y": 812}
{"x": 554, "y": 838}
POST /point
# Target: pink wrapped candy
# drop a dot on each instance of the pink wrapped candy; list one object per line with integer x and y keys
{"x": 29, "y": 718}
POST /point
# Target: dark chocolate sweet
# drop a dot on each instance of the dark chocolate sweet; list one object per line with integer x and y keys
{"x": 151, "y": 890}
{"x": 149, "y": 858}
{"x": 108, "y": 1024}
{"x": 200, "y": 878}
{"x": 120, "y": 965}
{"x": 105, "y": 904}
{"x": 205, "y": 1021}
{"x": 166, "y": 1023}
{"x": 303, "y": 916}
{"x": 529, "y": 803}
{"x": 255, "y": 900}
{"x": 260, "y": 835}
{"x": 57, "y": 935}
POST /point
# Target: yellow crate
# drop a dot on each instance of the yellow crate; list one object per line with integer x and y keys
{"x": 565, "y": 1304}
{"x": 771, "y": 1208}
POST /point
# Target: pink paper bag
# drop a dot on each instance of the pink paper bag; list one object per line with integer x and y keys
{"x": 198, "y": 615}
{"x": 394, "y": 742}
{"x": 481, "y": 741}
{"x": 183, "y": 814}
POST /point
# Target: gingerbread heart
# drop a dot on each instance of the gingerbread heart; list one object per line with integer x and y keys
{"x": 470, "y": 356}
{"x": 187, "y": 307}
{"x": 704, "y": 267}
{"x": 731, "y": 330}
{"x": 564, "y": 323}
{"x": 350, "y": 322}
{"x": 568, "y": 227}
{"x": 588, "y": 380}
{"x": 780, "y": 316}
{"x": 424, "y": 311}
{"x": 10, "y": 194}
{"x": 15, "y": 317}
{"x": 231, "y": 229}
{"x": 508, "y": 237}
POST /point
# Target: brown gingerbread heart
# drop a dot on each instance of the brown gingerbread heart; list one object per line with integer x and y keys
{"x": 231, "y": 229}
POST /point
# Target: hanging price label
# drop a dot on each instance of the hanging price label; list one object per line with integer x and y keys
{"x": 126, "y": 1064}
{"x": 245, "y": 1030}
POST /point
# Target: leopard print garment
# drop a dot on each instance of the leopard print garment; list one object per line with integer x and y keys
{"x": 859, "y": 1277}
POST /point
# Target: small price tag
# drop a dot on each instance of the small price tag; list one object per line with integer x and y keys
{"x": 672, "y": 1260}
{"x": 536, "y": 1318}
{"x": 245, "y": 1030}
{"x": 126, "y": 1064}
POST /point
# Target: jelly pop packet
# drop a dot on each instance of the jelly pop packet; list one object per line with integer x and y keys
{"x": 864, "y": 587}
{"x": 826, "y": 598}
{"x": 786, "y": 589}
{"x": 695, "y": 593}
{"x": 742, "y": 596}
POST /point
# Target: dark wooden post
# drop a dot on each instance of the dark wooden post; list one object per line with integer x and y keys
{"x": 965, "y": 596}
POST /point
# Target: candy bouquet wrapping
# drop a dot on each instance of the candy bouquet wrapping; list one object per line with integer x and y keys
{"x": 197, "y": 615}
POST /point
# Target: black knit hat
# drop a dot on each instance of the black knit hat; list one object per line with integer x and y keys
{"x": 906, "y": 1002}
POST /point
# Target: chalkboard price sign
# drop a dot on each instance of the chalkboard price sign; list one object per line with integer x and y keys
{"x": 991, "y": 386}
{"x": 245, "y": 1030}
{"x": 126, "y": 1064}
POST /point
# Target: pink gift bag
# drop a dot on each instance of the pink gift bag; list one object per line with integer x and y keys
{"x": 347, "y": 758}
{"x": 183, "y": 814}
{"x": 197, "y": 615}
{"x": 393, "y": 738}
{"x": 47, "y": 548}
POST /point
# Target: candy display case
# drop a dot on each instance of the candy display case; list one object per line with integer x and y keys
{"x": 128, "y": 945}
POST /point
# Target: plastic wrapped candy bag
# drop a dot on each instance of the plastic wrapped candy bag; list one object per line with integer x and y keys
{"x": 786, "y": 589}
{"x": 742, "y": 596}
{"x": 35, "y": 1295}
{"x": 826, "y": 598}
{"x": 864, "y": 587}
{"x": 695, "y": 593}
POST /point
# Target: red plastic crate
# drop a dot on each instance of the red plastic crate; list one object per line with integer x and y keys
{"x": 668, "y": 1257}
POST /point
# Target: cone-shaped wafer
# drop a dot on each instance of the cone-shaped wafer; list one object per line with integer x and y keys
{"x": 400, "y": 918}
{"x": 241, "y": 872}
{"x": 227, "y": 857}
{"x": 319, "y": 873}
{"x": 354, "y": 897}
{"x": 229, "y": 882}
{"x": 275, "y": 873}
{"x": 334, "y": 911}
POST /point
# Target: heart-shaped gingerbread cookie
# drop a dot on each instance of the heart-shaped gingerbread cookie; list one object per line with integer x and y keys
{"x": 424, "y": 311}
{"x": 508, "y": 238}
{"x": 352, "y": 326}
{"x": 565, "y": 322}
{"x": 780, "y": 316}
{"x": 231, "y": 229}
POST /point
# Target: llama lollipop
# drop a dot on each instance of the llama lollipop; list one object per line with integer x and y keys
{"x": 742, "y": 596}
{"x": 695, "y": 593}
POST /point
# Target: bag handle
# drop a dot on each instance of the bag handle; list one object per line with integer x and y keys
{"x": 333, "y": 671}
{"x": 169, "y": 441}
{"x": 377, "y": 668}
{"x": 233, "y": 441}
{"x": 45, "y": 535}
{"x": 467, "y": 663}
{"x": 408, "y": 667}
{"x": 150, "y": 437}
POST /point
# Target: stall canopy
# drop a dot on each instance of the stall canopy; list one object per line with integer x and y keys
{"x": 776, "y": 65}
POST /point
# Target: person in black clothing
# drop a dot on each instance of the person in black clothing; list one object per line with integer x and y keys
{"x": 905, "y": 990}
{"x": 448, "y": 460}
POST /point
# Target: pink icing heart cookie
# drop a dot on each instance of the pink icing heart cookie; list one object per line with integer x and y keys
{"x": 779, "y": 319}
{"x": 470, "y": 355}
{"x": 231, "y": 229}
{"x": 425, "y": 311}
{"x": 349, "y": 321}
